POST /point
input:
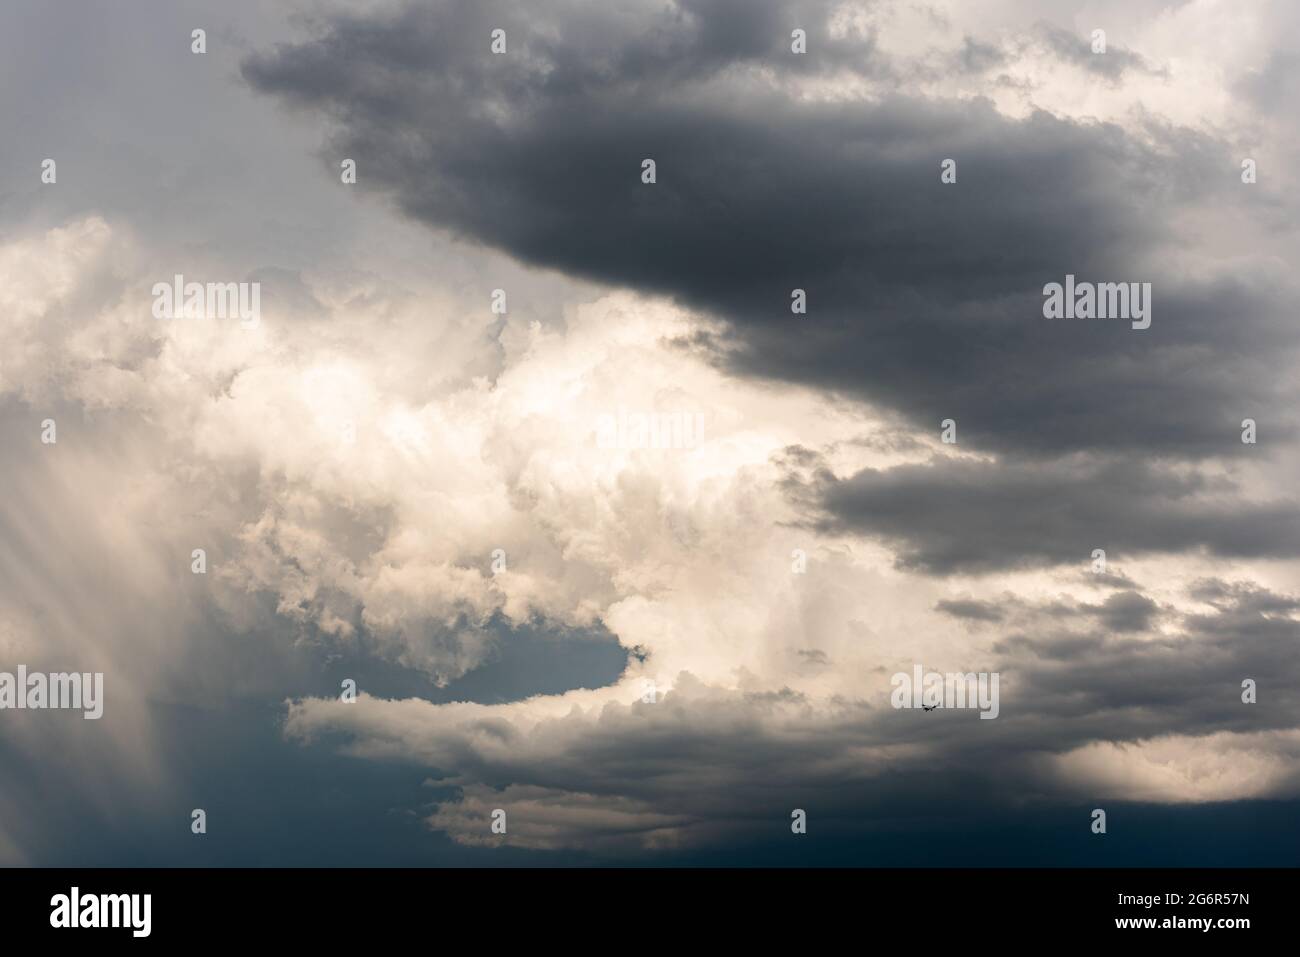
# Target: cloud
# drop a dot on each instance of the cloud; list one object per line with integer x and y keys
{"x": 1103, "y": 705}
{"x": 923, "y": 298}
{"x": 550, "y": 819}
{"x": 377, "y": 542}
{"x": 953, "y": 514}
{"x": 1112, "y": 62}
{"x": 970, "y": 610}
{"x": 777, "y": 172}
{"x": 354, "y": 466}
{"x": 1218, "y": 767}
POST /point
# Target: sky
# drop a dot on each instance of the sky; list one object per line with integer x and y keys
{"x": 422, "y": 470}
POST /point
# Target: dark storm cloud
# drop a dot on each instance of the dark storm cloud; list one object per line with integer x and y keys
{"x": 1124, "y": 612}
{"x": 1075, "y": 672}
{"x": 1130, "y": 686}
{"x": 1068, "y": 680}
{"x": 922, "y": 296}
{"x": 965, "y": 515}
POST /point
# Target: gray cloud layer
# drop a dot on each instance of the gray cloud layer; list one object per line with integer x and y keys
{"x": 953, "y": 514}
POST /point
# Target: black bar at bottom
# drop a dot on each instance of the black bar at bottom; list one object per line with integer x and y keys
{"x": 368, "y": 906}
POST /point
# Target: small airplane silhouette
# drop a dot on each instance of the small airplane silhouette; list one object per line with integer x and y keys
{"x": 931, "y": 708}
